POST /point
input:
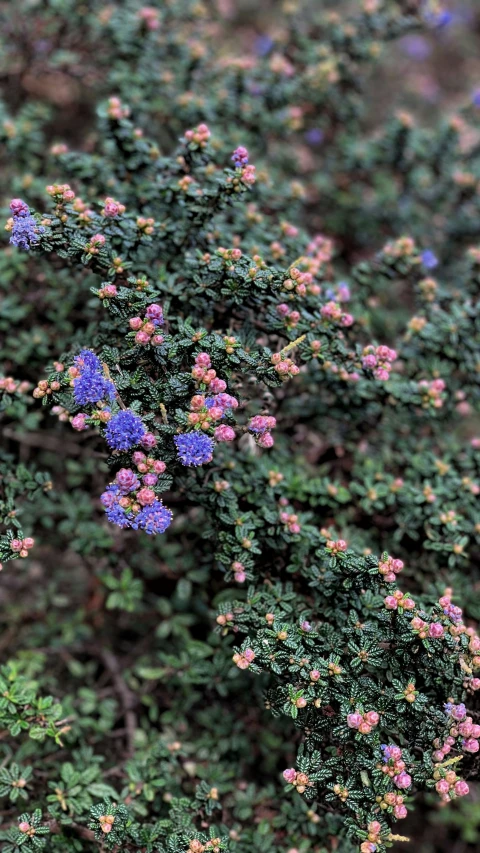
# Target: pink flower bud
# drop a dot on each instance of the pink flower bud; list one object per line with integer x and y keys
{"x": 224, "y": 433}
{"x": 266, "y": 440}
{"x": 145, "y": 497}
{"x": 148, "y": 441}
{"x": 354, "y": 720}
{"x": 78, "y": 422}
{"x": 400, "y": 811}
{"x": 289, "y": 775}
{"x": 403, "y": 780}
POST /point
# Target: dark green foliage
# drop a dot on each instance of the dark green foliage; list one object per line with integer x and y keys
{"x": 127, "y": 720}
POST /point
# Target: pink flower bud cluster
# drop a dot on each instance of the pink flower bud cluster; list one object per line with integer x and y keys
{"x": 238, "y": 571}
{"x": 61, "y": 192}
{"x": 299, "y": 780}
{"x": 225, "y": 618}
{"x": 288, "y": 229}
{"x": 394, "y": 766}
{"x": 85, "y": 214}
{"x": 61, "y": 413}
{"x": 334, "y": 312}
{"x": 363, "y": 723}
{"x": 379, "y": 359}
{"x": 95, "y": 243}
{"x": 432, "y": 393}
{"x": 106, "y": 823}
{"x": 229, "y": 255}
{"x": 393, "y": 802}
{"x": 389, "y": 568}
{"x": 336, "y": 546}
{"x": 78, "y": 422}
{"x": 116, "y": 109}
{"x": 461, "y": 728}
{"x": 244, "y": 659}
{"x": 19, "y": 207}
{"x": 58, "y": 148}
{"x": 290, "y": 520}
{"x": 374, "y": 830}
{"x": 112, "y": 208}
{"x": 108, "y": 291}
{"x": 148, "y": 465}
{"x": 22, "y": 546}
{"x": 298, "y": 282}
{"x": 453, "y": 612}
{"x": 45, "y": 388}
{"x": 185, "y": 183}
{"x": 448, "y": 784}
{"x": 145, "y": 224}
{"x": 399, "y": 600}
{"x": 320, "y": 250}
{"x": 146, "y": 328}
{"x": 248, "y": 175}
{"x": 199, "y": 136}
{"x": 404, "y": 247}
{"x": 207, "y": 410}
{"x": 260, "y": 426}
{"x": 148, "y": 15}
{"x": 12, "y": 386}
{"x": 285, "y": 367}
{"x": 434, "y": 630}
{"x": 291, "y": 317}
{"x": 203, "y": 373}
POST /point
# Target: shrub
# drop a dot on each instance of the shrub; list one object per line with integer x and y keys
{"x": 257, "y": 407}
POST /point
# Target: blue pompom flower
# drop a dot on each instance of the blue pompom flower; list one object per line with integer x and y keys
{"x": 124, "y": 430}
{"x": 91, "y": 386}
{"x": 194, "y": 448}
{"x": 153, "y": 519}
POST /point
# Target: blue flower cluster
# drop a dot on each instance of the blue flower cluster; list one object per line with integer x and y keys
{"x": 114, "y": 512}
{"x": 153, "y": 519}
{"x": 194, "y": 448}
{"x": 91, "y": 386}
{"x": 25, "y": 229}
{"x": 124, "y": 430}
{"x": 429, "y": 259}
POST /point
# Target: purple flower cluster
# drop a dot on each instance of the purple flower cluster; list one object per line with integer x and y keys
{"x": 260, "y": 426}
{"x": 126, "y": 505}
{"x": 115, "y": 513}
{"x": 240, "y": 157}
{"x": 25, "y": 230}
{"x": 458, "y": 712}
{"x": 223, "y": 401}
{"x": 91, "y": 386}
{"x": 194, "y": 448}
{"x": 453, "y": 612}
{"x": 124, "y": 430}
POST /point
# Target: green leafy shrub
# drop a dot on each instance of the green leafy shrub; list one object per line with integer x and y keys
{"x": 269, "y": 381}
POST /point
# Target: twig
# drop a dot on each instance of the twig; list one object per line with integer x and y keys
{"x": 128, "y": 698}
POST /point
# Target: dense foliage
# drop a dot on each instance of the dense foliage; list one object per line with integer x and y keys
{"x": 240, "y": 483}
